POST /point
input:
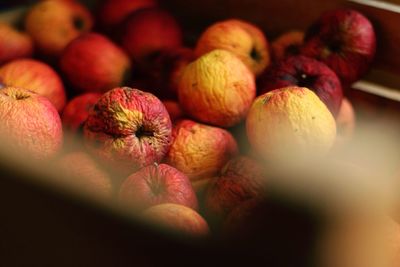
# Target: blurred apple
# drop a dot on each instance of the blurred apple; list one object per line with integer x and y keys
{"x": 287, "y": 44}
{"x": 14, "y": 44}
{"x": 53, "y": 24}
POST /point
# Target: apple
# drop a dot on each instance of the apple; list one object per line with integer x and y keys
{"x": 93, "y": 63}
{"x": 128, "y": 128}
{"x": 81, "y": 172}
{"x": 149, "y": 31}
{"x": 290, "y": 125}
{"x": 305, "y": 72}
{"x": 344, "y": 39}
{"x": 177, "y": 218}
{"x": 112, "y": 13}
{"x": 241, "y": 179}
{"x": 200, "y": 150}
{"x": 30, "y": 123}
{"x": 36, "y": 76}
{"x": 217, "y": 89}
{"x": 53, "y": 24}
{"x": 13, "y": 43}
{"x": 77, "y": 110}
{"x": 242, "y": 38}
{"x": 156, "y": 184}
{"x": 286, "y": 44}
{"x": 174, "y": 110}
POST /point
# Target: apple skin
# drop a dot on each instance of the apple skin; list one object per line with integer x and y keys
{"x": 305, "y": 72}
{"x": 77, "y": 110}
{"x": 241, "y": 179}
{"x": 93, "y": 63}
{"x": 177, "y": 218}
{"x": 80, "y": 171}
{"x": 36, "y": 76}
{"x": 112, "y": 13}
{"x": 343, "y": 39}
{"x": 14, "y": 44}
{"x": 53, "y": 24}
{"x": 30, "y": 123}
{"x": 128, "y": 128}
{"x": 157, "y": 184}
{"x": 241, "y": 38}
{"x": 200, "y": 150}
{"x": 286, "y": 45}
{"x": 149, "y": 31}
{"x": 217, "y": 89}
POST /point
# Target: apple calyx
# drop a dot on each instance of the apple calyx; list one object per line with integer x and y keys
{"x": 79, "y": 23}
{"x": 255, "y": 55}
{"x": 142, "y": 132}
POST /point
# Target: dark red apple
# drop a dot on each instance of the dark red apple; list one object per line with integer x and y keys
{"x": 344, "y": 39}
{"x": 149, "y": 31}
{"x": 14, "y": 44}
{"x": 93, "y": 63}
{"x": 157, "y": 184}
{"x": 305, "y": 72}
{"x": 128, "y": 128}
{"x": 241, "y": 179}
{"x": 77, "y": 110}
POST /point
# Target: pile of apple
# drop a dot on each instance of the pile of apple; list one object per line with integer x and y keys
{"x": 159, "y": 120}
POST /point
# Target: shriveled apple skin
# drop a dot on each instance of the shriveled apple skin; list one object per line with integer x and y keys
{"x": 306, "y": 72}
{"x": 129, "y": 128}
{"x": 82, "y": 172}
{"x": 29, "y": 123}
{"x": 217, "y": 89}
{"x": 343, "y": 39}
{"x": 200, "y": 150}
{"x": 93, "y": 63}
{"x": 178, "y": 218}
{"x": 157, "y": 184}
{"x": 14, "y": 44}
{"x": 52, "y": 24}
{"x": 240, "y": 180}
{"x": 36, "y": 76}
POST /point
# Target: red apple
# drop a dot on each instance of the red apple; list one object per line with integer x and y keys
{"x": 177, "y": 218}
{"x": 53, "y": 24}
{"x": 305, "y": 72}
{"x": 344, "y": 39}
{"x": 14, "y": 44}
{"x": 149, "y": 31}
{"x": 77, "y": 110}
{"x": 174, "y": 110}
{"x": 240, "y": 179}
{"x": 157, "y": 184}
{"x": 93, "y": 63}
{"x": 112, "y": 12}
{"x": 80, "y": 171}
{"x": 36, "y": 76}
{"x": 29, "y": 123}
{"x": 129, "y": 128}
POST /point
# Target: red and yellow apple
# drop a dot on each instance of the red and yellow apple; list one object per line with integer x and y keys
{"x": 53, "y": 24}
{"x": 36, "y": 76}
{"x": 30, "y": 123}
{"x": 242, "y": 38}
{"x": 200, "y": 150}
{"x": 93, "y": 63}
{"x": 287, "y": 44}
{"x": 128, "y": 128}
{"x": 157, "y": 184}
{"x": 217, "y": 89}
